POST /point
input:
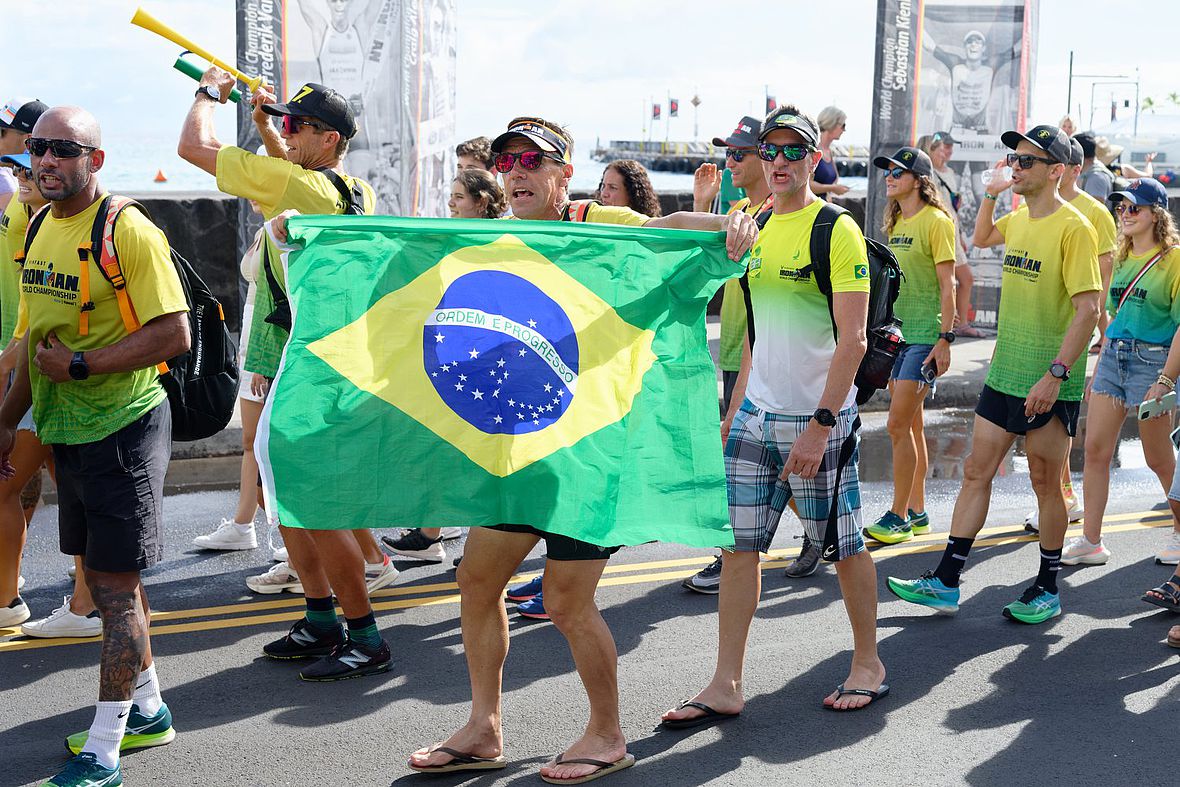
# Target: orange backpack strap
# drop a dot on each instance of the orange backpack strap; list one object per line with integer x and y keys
{"x": 35, "y": 222}
{"x": 577, "y": 210}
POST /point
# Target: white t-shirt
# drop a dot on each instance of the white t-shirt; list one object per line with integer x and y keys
{"x": 8, "y": 184}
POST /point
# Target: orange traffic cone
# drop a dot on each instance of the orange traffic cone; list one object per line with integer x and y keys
{"x": 160, "y": 176}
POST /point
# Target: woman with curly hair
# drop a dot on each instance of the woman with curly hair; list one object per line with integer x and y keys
{"x": 1140, "y": 361}
{"x": 922, "y": 237}
{"x": 475, "y": 194}
{"x": 625, "y": 184}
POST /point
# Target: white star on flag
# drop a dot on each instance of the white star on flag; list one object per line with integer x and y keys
{"x": 498, "y": 419}
{"x": 458, "y": 386}
{"x": 512, "y": 403}
{"x": 520, "y": 416}
{"x": 532, "y": 323}
{"x": 438, "y": 337}
{"x": 522, "y": 353}
{"x": 463, "y": 377}
{"x": 478, "y": 394}
{"x": 561, "y": 393}
{"x": 474, "y": 353}
{"x": 496, "y": 394}
{"x": 548, "y": 387}
{"x": 500, "y": 362}
{"x": 434, "y": 374}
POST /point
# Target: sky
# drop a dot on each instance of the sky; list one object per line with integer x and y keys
{"x": 594, "y": 66}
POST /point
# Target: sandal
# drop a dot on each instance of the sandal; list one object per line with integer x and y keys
{"x": 460, "y": 761}
{"x": 1170, "y": 593}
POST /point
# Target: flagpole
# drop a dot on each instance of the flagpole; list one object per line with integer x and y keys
{"x": 668, "y": 120}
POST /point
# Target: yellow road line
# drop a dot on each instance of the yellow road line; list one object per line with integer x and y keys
{"x": 446, "y": 592}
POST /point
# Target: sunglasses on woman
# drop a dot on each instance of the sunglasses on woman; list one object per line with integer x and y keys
{"x": 895, "y": 172}
{"x": 529, "y": 159}
{"x": 61, "y": 148}
{"x": 769, "y": 152}
{"x": 1128, "y": 208}
{"x": 1026, "y": 160}
{"x": 737, "y": 154}
{"x": 22, "y": 172}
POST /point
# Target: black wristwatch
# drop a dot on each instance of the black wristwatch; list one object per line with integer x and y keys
{"x": 210, "y": 91}
{"x": 1059, "y": 370}
{"x": 948, "y": 335}
{"x": 824, "y": 417}
{"x": 79, "y": 369}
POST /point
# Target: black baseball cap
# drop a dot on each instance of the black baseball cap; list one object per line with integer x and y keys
{"x": 744, "y": 136}
{"x": 549, "y": 137}
{"x": 321, "y": 103}
{"x": 1088, "y": 143}
{"x": 20, "y": 114}
{"x": 943, "y": 138}
{"x": 909, "y": 159}
{"x": 1050, "y": 139}
{"x": 1076, "y": 154}
{"x": 784, "y": 117}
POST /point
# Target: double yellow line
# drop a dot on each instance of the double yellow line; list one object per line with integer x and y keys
{"x": 290, "y": 608}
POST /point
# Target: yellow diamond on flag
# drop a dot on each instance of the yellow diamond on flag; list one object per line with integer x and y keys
{"x": 498, "y": 352}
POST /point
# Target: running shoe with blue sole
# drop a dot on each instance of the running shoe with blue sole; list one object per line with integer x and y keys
{"x": 1035, "y": 605}
{"x": 86, "y": 771}
{"x": 889, "y": 529}
{"x": 142, "y": 732}
{"x": 928, "y": 591}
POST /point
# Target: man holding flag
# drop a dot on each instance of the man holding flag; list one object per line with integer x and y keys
{"x": 317, "y": 124}
{"x": 533, "y": 157}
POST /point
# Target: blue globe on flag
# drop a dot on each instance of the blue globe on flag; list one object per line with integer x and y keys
{"x": 501, "y": 353}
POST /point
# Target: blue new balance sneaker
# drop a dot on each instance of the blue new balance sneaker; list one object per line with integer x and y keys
{"x": 142, "y": 731}
{"x": 86, "y": 771}
{"x": 523, "y": 592}
{"x": 927, "y": 590}
{"x": 1035, "y": 605}
{"x": 534, "y": 608}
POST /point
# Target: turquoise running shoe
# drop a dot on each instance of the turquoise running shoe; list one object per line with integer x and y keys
{"x": 919, "y": 523}
{"x": 86, "y": 771}
{"x": 928, "y": 591}
{"x": 1035, "y": 605}
{"x": 889, "y": 529}
{"x": 142, "y": 731}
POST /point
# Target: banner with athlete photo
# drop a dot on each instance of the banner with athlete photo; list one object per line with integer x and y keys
{"x": 962, "y": 67}
{"x": 395, "y": 62}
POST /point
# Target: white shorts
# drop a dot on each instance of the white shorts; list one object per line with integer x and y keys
{"x": 244, "y": 384}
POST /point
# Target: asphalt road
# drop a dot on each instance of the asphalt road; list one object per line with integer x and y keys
{"x": 976, "y": 699}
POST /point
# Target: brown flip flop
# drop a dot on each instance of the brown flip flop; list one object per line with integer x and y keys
{"x": 460, "y": 761}
{"x": 604, "y": 768}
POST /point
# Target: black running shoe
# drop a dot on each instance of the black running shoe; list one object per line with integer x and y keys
{"x": 707, "y": 580}
{"x": 807, "y": 562}
{"x": 350, "y": 660}
{"x": 414, "y": 545}
{"x": 303, "y": 641}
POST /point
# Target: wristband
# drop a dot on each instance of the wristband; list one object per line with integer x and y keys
{"x": 1166, "y": 382}
{"x": 992, "y": 197}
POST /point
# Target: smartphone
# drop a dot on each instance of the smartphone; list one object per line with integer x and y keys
{"x": 1176, "y": 437}
{"x": 1152, "y": 408}
{"x": 930, "y": 373}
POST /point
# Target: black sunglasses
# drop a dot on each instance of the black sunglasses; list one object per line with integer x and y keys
{"x": 1025, "y": 160}
{"x": 895, "y": 172}
{"x": 62, "y": 148}
{"x": 529, "y": 159}
{"x": 22, "y": 172}
{"x": 769, "y": 152}
{"x": 1128, "y": 208}
{"x": 737, "y": 154}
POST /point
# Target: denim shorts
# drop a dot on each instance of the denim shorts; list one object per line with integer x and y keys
{"x": 908, "y": 365}
{"x": 1127, "y": 368}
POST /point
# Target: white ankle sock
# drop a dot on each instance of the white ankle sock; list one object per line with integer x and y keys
{"x": 110, "y": 722}
{"x": 244, "y": 527}
{"x": 147, "y": 692}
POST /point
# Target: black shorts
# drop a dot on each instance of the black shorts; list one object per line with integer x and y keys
{"x": 1007, "y": 412}
{"x": 559, "y": 547}
{"x": 111, "y": 495}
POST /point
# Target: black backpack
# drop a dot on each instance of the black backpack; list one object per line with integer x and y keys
{"x": 202, "y": 383}
{"x": 885, "y": 341}
{"x": 354, "y": 205}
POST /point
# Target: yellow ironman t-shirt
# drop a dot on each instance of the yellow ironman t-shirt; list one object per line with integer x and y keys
{"x": 920, "y": 244}
{"x": 1100, "y": 219}
{"x": 733, "y": 303}
{"x": 277, "y": 185}
{"x": 1047, "y": 261}
{"x": 794, "y": 342}
{"x": 611, "y": 214}
{"x": 83, "y": 411}
{"x": 12, "y": 239}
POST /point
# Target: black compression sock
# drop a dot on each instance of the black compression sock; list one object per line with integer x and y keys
{"x": 953, "y": 560}
{"x": 1050, "y": 565}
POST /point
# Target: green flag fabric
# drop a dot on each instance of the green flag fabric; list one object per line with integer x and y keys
{"x": 445, "y": 372}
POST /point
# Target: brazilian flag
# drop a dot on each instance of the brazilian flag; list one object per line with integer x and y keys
{"x": 445, "y": 372}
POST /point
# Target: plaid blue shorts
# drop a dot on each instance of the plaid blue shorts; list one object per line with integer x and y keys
{"x": 758, "y": 445}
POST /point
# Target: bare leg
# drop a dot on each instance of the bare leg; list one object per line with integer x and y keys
{"x": 431, "y": 532}
{"x": 125, "y": 642}
{"x": 344, "y": 565}
{"x": 1104, "y": 419}
{"x": 906, "y": 402}
{"x": 989, "y": 445}
{"x": 966, "y": 280}
{"x": 368, "y": 546}
{"x": 741, "y": 585}
{"x": 569, "y": 600}
{"x": 922, "y": 466}
{"x": 1047, "y": 449}
{"x": 489, "y": 562}
{"x": 27, "y": 457}
{"x": 858, "y": 584}
{"x": 248, "y": 486}
{"x": 80, "y": 602}
{"x": 303, "y": 556}
{"x": 1157, "y": 451}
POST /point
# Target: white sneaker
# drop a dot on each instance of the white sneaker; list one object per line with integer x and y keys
{"x": 380, "y": 575}
{"x": 280, "y": 577}
{"x": 228, "y": 536}
{"x": 451, "y": 533}
{"x": 64, "y": 623}
{"x": 1170, "y": 554}
{"x": 1080, "y": 550}
{"x": 279, "y": 555}
{"x": 1073, "y": 514}
{"x": 14, "y": 614}
{"x": 20, "y": 583}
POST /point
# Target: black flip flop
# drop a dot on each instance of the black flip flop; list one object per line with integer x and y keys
{"x": 460, "y": 761}
{"x": 873, "y": 696}
{"x": 711, "y": 717}
{"x": 1170, "y": 600}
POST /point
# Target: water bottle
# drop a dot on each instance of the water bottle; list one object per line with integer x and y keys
{"x": 988, "y": 175}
